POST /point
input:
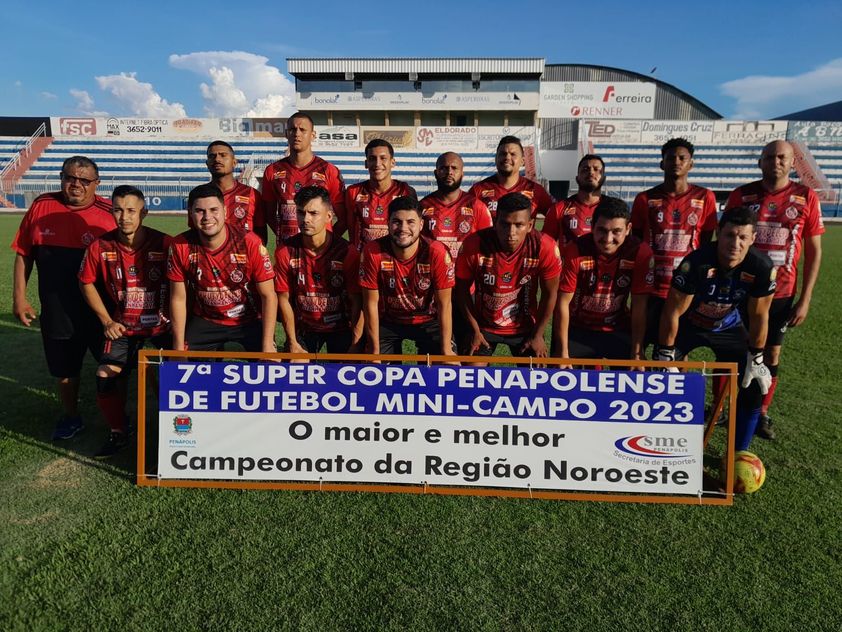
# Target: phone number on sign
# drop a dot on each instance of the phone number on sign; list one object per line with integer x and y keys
{"x": 143, "y": 129}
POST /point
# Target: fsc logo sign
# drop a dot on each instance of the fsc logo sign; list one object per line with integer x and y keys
{"x": 77, "y": 126}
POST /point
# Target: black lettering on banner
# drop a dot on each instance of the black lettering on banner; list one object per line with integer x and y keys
{"x": 300, "y": 430}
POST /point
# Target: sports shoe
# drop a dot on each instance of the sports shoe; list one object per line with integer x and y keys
{"x": 116, "y": 442}
{"x": 67, "y": 427}
{"x": 764, "y": 428}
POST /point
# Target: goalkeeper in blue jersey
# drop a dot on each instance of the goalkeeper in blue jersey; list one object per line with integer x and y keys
{"x": 710, "y": 288}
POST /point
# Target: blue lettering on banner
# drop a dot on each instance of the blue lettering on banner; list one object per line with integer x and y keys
{"x": 500, "y": 392}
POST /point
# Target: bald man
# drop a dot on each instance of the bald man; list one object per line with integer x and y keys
{"x": 789, "y": 219}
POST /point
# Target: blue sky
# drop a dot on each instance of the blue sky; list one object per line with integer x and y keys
{"x": 744, "y": 59}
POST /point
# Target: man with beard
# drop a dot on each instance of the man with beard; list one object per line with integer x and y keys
{"x": 124, "y": 282}
{"x": 406, "y": 281}
{"x": 367, "y": 203}
{"x": 53, "y": 236}
{"x": 506, "y": 264}
{"x": 509, "y": 161}
{"x": 225, "y": 277}
{"x": 674, "y": 218}
{"x": 242, "y": 201}
{"x": 285, "y": 177}
{"x": 789, "y": 218}
{"x": 571, "y": 218}
{"x": 451, "y": 214}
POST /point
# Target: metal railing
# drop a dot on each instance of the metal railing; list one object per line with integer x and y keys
{"x": 6, "y": 184}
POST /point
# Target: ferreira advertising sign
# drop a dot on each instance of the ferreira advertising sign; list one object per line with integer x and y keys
{"x": 503, "y": 427}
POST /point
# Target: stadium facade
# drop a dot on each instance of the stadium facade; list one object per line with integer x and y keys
{"x": 425, "y": 106}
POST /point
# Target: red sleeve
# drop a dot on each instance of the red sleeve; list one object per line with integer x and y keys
{"x": 88, "y": 272}
{"x": 351, "y": 270}
{"x": 552, "y": 222}
{"x": 813, "y": 224}
{"x": 543, "y": 200}
{"x": 734, "y": 199}
{"x": 482, "y": 214}
{"x": 175, "y": 263}
{"x": 549, "y": 258}
{"x": 370, "y": 266}
{"x": 260, "y": 263}
{"x": 640, "y": 215}
{"x": 22, "y": 243}
{"x": 709, "y": 220}
{"x": 569, "y": 268}
{"x": 643, "y": 277}
{"x": 336, "y": 190}
{"x": 442, "y": 266}
{"x": 281, "y": 269}
{"x": 466, "y": 261}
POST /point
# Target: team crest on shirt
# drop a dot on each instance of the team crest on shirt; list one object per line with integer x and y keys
{"x": 423, "y": 283}
{"x": 791, "y": 212}
{"x": 88, "y": 239}
{"x": 109, "y": 256}
{"x": 239, "y": 212}
{"x": 237, "y": 257}
{"x": 464, "y": 227}
{"x": 379, "y": 211}
{"x": 154, "y": 273}
{"x": 447, "y": 223}
{"x": 507, "y": 277}
{"x": 623, "y": 280}
{"x": 297, "y": 187}
{"x": 692, "y": 219}
{"x": 773, "y": 207}
{"x": 336, "y": 280}
{"x": 132, "y": 271}
{"x": 236, "y": 275}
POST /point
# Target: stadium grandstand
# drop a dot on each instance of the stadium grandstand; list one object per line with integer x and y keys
{"x": 425, "y": 106}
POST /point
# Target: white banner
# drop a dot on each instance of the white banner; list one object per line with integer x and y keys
{"x": 489, "y": 137}
{"x": 417, "y": 100}
{"x": 466, "y": 426}
{"x": 336, "y": 136}
{"x": 139, "y": 128}
{"x": 607, "y": 132}
{"x": 748, "y": 132}
{"x": 446, "y": 138}
{"x": 659, "y": 132}
{"x": 597, "y": 99}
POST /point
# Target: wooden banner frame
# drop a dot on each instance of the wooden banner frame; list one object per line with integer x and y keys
{"x": 717, "y": 498}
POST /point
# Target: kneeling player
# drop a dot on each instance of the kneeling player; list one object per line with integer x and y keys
{"x": 600, "y": 270}
{"x": 507, "y": 263}
{"x": 228, "y": 276}
{"x": 709, "y": 289}
{"x": 315, "y": 281}
{"x": 123, "y": 281}
{"x": 406, "y": 281}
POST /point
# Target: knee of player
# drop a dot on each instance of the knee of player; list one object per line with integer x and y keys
{"x": 106, "y": 385}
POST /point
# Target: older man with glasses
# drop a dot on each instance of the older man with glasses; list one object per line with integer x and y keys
{"x": 53, "y": 235}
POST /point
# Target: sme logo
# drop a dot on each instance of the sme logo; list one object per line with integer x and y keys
{"x": 653, "y": 447}
{"x": 77, "y": 126}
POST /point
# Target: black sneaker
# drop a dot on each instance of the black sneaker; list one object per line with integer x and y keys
{"x": 764, "y": 428}
{"x": 67, "y": 428}
{"x": 116, "y": 442}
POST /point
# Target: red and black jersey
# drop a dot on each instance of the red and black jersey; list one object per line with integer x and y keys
{"x": 282, "y": 180}
{"x": 221, "y": 282}
{"x": 569, "y": 219}
{"x": 244, "y": 209}
{"x": 407, "y": 288}
{"x": 490, "y": 191}
{"x": 601, "y": 285}
{"x": 506, "y": 285}
{"x": 367, "y": 210}
{"x": 132, "y": 283}
{"x": 672, "y": 225}
{"x": 785, "y": 219}
{"x": 55, "y": 237}
{"x": 451, "y": 223}
{"x": 318, "y": 285}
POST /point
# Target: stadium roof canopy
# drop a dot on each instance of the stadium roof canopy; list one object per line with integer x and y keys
{"x": 826, "y": 112}
{"x": 308, "y": 67}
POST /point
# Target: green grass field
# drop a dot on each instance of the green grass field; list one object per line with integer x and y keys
{"x": 81, "y": 547}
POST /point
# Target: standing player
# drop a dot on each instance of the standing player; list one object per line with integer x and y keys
{"x": 406, "y": 281}
{"x": 507, "y": 263}
{"x": 53, "y": 236}
{"x": 450, "y": 214}
{"x": 674, "y": 218}
{"x": 710, "y": 288}
{"x": 789, "y": 218}
{"x": 123, "y": 281}
{"x": 509, "y": 161}
{"x": 315, "y": 282}
{"x": 571, "y": 218}
{"x": 285, "y": 177}
{"x": 367, "y": 203}
{"x": 600, "y": 270}
{"x": 242, "y": 201}
{"x": 228, "y": 276}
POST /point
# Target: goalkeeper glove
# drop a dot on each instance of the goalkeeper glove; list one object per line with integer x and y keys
{"x": 756, "y": 370}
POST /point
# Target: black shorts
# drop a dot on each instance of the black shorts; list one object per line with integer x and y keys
{"x": 123, "y": 351}
{"x": 203, "y": 335}
{"x": 514, "y": 342}
{"x": 779, "y": 314}
{"x": 586, "y": 343}
{"x": 426, "y": 336}
{"x": 654, "y": 307}
{"x": 336, "y": 342}
{"x": 65, "y": 355}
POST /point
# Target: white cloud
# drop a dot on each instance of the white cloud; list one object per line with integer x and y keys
{"x": 139, "y": 98}
{"x": 240, "y": 83}
{"x": 48, "y": 95}
{"x": 85, "y": 103}
{"x": 761, "y": 96}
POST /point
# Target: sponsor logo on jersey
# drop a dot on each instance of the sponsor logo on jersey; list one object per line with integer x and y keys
{"x": 507, "y": 277}
{"x": 387, "y": 264}
{"x": 361, "y": 197}
{"x": 155, "y": 256}
{"x": 241, "y": 199}
{"x": 109, "y": 256}
{"x": 656, "y": 203}
{"x": 586, "y": 263}
{"x": 337, "y": 265}
{"x": 279, "y": 175}
{"x": 423, "y": 268}
{"x": 237, "y": 257}
{"x": 529, "y": 194}
{"x": 467, "y": 210}
{"x": 797, "y": 199}
{"x": 697, "y": 203}
{"x": 318, "y": 176}
{"x": 626, "y": 264}
{"x": 487, "y": 193}
{"x": 529, "y": 262}
{"x": 745, "y": 277}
